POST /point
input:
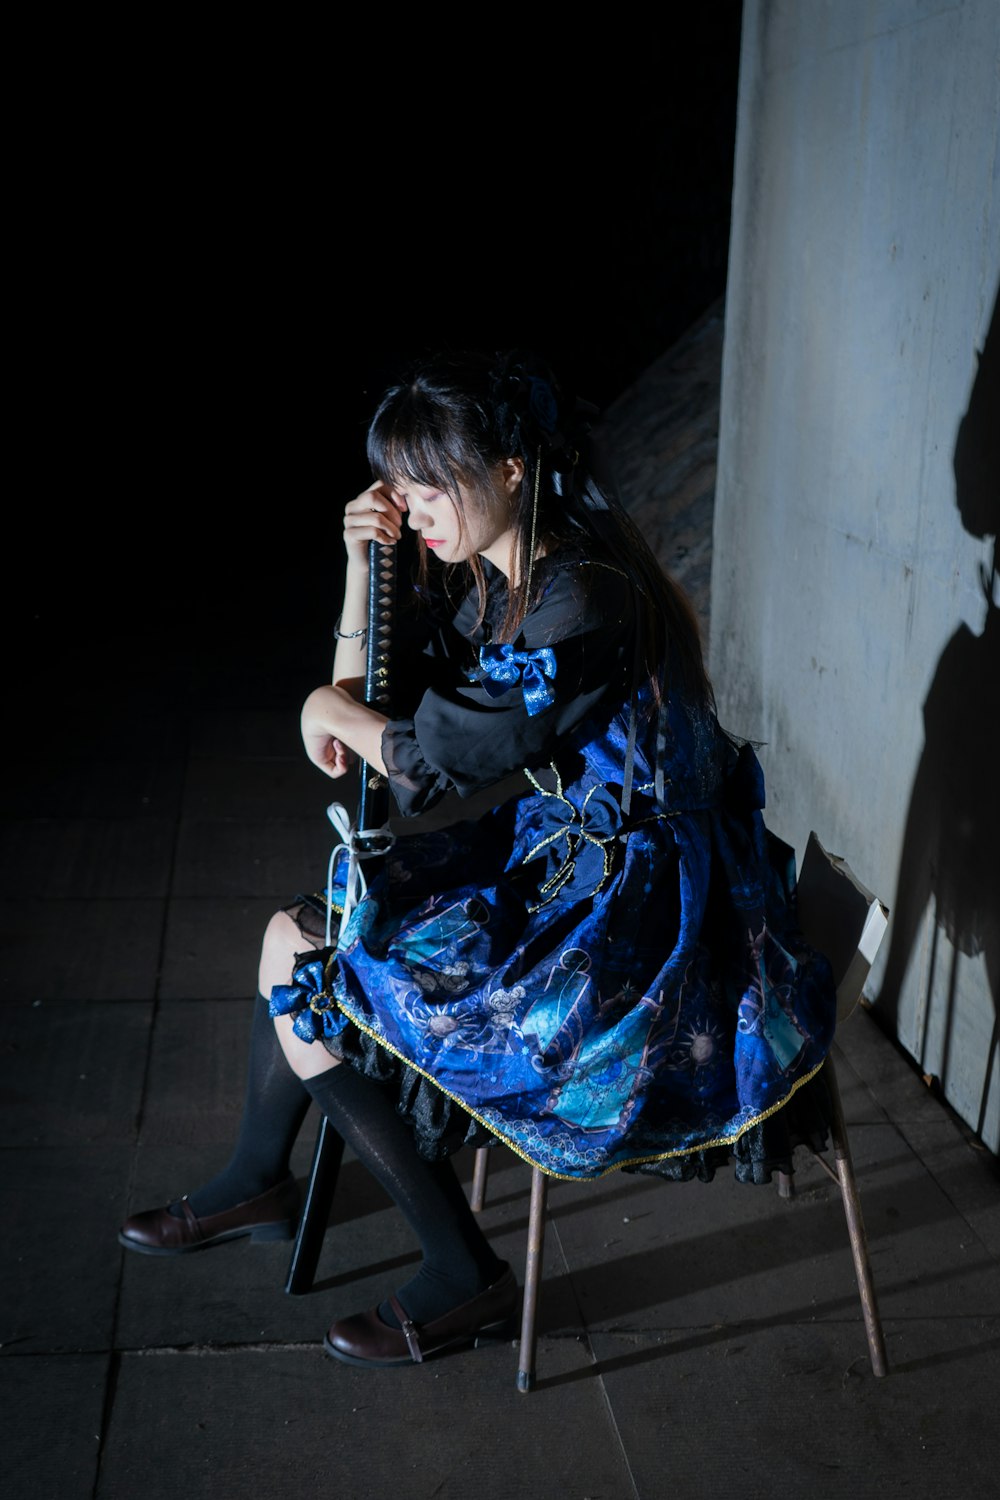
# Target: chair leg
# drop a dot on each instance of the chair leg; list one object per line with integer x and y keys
{"x": 532, "y": 1280}
{"x": 326, "y": 1160}
{"x": 480, "y": 1173}
{"x": 856, "y": 1229}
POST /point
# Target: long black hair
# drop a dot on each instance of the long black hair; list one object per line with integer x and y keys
{"x": 460, "y": 415}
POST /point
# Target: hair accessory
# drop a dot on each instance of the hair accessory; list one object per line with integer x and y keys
{"x": 527, "y": 402}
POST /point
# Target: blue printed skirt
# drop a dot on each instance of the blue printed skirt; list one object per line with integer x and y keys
{"x": 599, "y": 990}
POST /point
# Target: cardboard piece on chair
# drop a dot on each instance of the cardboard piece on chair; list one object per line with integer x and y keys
{"x": 841, "y": 918}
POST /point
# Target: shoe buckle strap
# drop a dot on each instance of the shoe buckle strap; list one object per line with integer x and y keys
{"x": 192, "y": 1219}
{"x": 410, "y": 1331}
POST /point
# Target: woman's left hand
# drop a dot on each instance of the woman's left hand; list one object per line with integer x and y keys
{"x": 323, "y": 745}
{"x": 336, "y": 730}
{"x": 329, "y": 753}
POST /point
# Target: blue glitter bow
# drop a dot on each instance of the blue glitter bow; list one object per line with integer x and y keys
{"x": 309, "y": 1000}
{"x": 504, "y": 667}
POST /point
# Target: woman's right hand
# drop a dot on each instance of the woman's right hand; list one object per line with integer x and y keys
{"x": 373, "y": 516}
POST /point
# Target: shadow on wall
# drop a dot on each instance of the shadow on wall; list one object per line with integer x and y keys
{"x": 951, "y": 849}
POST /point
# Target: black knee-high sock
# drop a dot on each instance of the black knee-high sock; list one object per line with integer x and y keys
{"x": 458, "y": 1262}
{"x": 275, "y": 1106}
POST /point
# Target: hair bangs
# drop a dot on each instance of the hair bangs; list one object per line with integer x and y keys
{"x": 404, "y": 444}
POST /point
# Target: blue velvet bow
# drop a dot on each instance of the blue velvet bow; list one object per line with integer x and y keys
{"x": 504, "y": 666}
{"x": 308, "y": 999}
{"x": 579, "y": 839}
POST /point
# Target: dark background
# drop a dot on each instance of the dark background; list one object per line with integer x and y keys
{"x": 254, "y": 247}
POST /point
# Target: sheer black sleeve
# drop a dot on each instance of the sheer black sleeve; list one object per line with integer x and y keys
{"x": 574, "y": 648}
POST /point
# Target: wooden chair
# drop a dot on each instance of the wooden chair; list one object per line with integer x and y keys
{"x": 839, "y": 917}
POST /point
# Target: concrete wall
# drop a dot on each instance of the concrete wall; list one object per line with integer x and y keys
{"x": 851, "y": 631}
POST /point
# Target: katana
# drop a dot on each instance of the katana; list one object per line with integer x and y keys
{"x": 369, "y": 839}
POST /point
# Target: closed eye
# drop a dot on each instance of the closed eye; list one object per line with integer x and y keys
{"x": 421, "y": 499}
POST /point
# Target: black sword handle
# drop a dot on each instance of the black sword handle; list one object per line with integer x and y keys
{"x": 373, "y": 806}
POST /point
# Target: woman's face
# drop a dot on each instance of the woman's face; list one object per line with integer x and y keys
{"x": 485, "y": 525}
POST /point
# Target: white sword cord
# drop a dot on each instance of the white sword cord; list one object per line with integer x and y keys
{"x": 351, "y": 843}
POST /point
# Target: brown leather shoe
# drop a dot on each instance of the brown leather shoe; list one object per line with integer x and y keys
{"x": 272, "y": 1216}
{"x": 364, "y": 1339}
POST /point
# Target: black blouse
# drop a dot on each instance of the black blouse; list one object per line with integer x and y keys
{"x": 460, "y": 735}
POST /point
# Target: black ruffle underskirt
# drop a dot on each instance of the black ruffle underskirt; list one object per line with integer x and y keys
{"x": 441, "y": 1126}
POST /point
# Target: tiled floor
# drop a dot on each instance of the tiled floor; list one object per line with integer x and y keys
{"x": 695, "y": 1340}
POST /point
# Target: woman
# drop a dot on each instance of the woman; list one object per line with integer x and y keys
{"x": 604, "y": 972}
